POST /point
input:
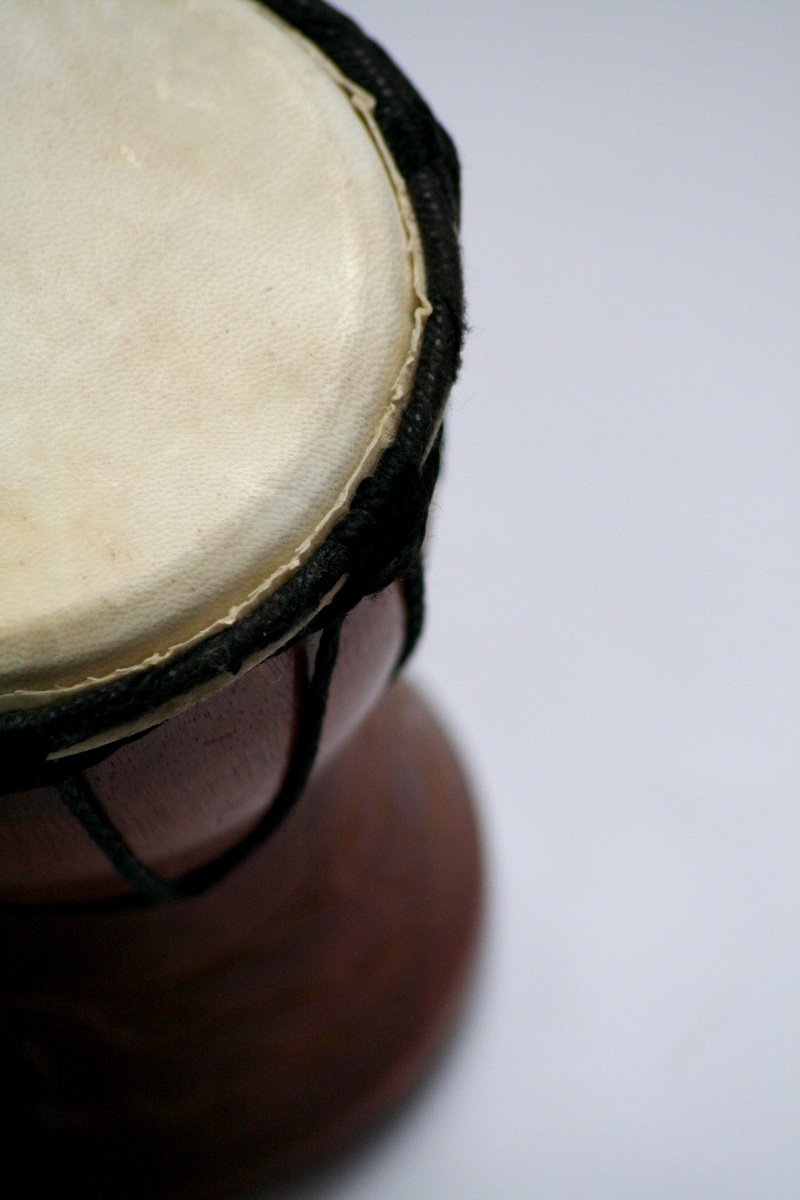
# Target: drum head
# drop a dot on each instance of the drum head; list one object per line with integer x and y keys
{"x": 215, "y": 291}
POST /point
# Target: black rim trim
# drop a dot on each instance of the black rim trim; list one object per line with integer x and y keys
{"x": 379, "y": 537}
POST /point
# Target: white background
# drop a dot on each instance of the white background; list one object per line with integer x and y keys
{"x": 614, "y": 628}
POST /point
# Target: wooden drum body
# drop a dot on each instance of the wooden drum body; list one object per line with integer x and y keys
{"x": 239, "y": 867}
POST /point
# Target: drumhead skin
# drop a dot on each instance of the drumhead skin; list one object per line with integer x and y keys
{"x": 230, "y": 317}
{"x": 212, "y": 296}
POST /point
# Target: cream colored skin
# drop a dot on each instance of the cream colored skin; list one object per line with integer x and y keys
{"x": 211, "y": 299}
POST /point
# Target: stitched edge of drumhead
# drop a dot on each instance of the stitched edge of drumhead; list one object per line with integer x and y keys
{"x": 378, "y": 537}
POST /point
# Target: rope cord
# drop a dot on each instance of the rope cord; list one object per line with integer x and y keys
{"x": 79, "y": 799}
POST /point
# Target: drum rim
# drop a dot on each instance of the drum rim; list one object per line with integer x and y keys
{"x": 379, "y": 536}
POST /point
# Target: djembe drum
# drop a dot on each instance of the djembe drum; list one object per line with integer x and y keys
{"x": 239, "y": 870}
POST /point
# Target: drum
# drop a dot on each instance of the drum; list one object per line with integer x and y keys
{"x": 239, "y": 867}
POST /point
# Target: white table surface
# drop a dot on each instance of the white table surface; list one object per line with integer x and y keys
{"x": 614, "y": 627}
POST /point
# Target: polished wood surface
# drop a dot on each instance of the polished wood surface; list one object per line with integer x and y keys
{"x": 196, "y": 1049}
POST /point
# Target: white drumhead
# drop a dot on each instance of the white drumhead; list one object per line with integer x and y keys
{"x": 211, "y": 299}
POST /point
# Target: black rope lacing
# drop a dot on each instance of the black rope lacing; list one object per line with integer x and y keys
{"x": 79, "y": 798}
